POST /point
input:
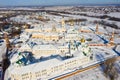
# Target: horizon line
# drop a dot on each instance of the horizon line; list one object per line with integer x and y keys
{"x": 82, "y": 4}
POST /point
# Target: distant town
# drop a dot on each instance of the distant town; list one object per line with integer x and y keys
{"x": 60, "y": 43}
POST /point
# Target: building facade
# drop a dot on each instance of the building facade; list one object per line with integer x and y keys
{"x": 36, "y": 71}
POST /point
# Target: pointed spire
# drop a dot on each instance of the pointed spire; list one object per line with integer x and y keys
{"x": 111, "y": 42}
{"x": 7, "y": 40}
{"x": 113, "y": 33}
{"x": 63, "y": 22}
{"x": 53, "y": 28}
{"x": 96, "y": 28}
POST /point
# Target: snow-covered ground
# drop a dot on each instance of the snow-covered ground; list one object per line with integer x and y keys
{"x": 2, "y": 50}
{"x": 99, "y": 53}
{"x": 114, "y": 14}
{"x": 93, "y": 74}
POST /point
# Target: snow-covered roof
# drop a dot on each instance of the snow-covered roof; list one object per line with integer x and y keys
{"x": 35, "y": 67}
{"x": 44, "y": 47}
{"x": 72, "y": 31}
{"x": 118, "y": 48}
{"x": 47, "y": 34}
{"x": 42, "y": 65}
{"x": 25, "y": 46}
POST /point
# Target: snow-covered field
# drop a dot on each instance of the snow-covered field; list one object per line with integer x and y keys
{"x": 114, "y": 14}
{"x": 105, "y": 52}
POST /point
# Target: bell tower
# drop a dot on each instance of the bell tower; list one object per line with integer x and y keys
{"x": 54, "y": 28}
{"x": 63, "y": 22}
{"x": 7, "y": 40}
{"x": 111, "y": 41}
{"x": 96, "y": 31}
{"x": 72, "y": 23}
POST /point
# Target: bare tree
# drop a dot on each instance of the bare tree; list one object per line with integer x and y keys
{"x": 109, "y": 69}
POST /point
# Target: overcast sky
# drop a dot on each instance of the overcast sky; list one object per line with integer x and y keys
{"x": 53, "y": 2}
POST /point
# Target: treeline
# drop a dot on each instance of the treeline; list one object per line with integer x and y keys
{"x": 112, "y": 25}
{"x": 101, "y": 17}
